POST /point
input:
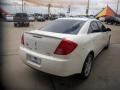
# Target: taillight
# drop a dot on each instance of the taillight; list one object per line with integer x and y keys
{"x": 22, "y": 39}
{"x": 65, "y": 47}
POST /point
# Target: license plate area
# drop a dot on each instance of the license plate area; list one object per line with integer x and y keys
{"x": 33, "y": 59}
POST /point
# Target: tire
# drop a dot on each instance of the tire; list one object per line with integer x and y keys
{"x": 108, "y": 44}
{"x": 18, "y": 25}
{"x": 28, "y": 24}
{"x": 22, "y": 24}
{"x": 15, "y": 25}
{"x": 25, "y": 24}
{"x": 87, "y": 67}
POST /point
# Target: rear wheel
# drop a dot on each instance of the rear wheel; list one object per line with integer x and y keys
{"x": 87, "y": 67}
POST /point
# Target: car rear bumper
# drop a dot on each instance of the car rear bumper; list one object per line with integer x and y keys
{"x": 48, "y": 64}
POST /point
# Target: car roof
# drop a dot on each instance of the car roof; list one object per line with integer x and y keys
{"x": 21, "y": 13}
{"x": 83, "y": 18}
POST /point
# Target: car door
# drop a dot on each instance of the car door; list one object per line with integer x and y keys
{"x": 96, "y": 36}
{"x": 105, "y": 35}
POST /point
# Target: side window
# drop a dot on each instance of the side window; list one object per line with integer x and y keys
{"x": 93, "y": 27}
{"x": 90, "y": 29}
{"x": 101, "y": 26}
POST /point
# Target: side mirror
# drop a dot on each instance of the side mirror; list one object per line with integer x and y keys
{"x": 108, "y": 29}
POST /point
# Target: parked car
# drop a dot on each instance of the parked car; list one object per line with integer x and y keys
{"x": 40, "y": 18}
{"x": 117, "y": 20}
{"x": 102, "y": 19}
{"x": 21, "y": 19}
{"x": 53, "y": 17}
{"x": 46, "y": 16}
{"x": 112, "y": 20}
{"x": 9, "y": 18}
{"x": 65, "y": 47}
{"x": 31, "y": 18}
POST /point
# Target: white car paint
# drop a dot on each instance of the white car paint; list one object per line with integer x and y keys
{"x": 9, "y": 18}
{"x": 42, "y": 45}
{"x": 31, "y": 18}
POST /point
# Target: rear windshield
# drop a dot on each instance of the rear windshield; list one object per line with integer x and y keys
{"x": 21, "y": 15}
{"x": 64, "y": 26}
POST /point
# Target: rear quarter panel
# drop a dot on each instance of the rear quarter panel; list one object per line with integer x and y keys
{"x": 78, "y": 56}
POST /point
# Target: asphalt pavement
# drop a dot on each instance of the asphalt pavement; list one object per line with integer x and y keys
{"x": 15, "y": 75}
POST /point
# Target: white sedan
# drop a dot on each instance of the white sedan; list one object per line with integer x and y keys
{"x": 65, "y": 47}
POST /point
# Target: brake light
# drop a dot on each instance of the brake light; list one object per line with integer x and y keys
{"x": 65, "y": 47}
{"x": 22, "y": 40}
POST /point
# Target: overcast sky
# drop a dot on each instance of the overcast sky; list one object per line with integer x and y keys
{"x": 77, "y": 6}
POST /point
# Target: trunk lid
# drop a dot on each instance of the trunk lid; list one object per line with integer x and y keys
{"x": 43, "y": 42}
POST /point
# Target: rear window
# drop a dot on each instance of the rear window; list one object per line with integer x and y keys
{"x": 21, "y": 15}
{"x": 64, "y": 26}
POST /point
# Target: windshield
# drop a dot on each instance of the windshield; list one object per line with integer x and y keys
{"x": 64, "y": 26}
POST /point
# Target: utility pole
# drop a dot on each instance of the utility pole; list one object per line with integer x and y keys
{"x": 117, "y": 7}
{"x": 22, "y": 5}
{"x": 49, "y": 6}
{"x": 69, "y": 10}
{"x": 87, "y": 9}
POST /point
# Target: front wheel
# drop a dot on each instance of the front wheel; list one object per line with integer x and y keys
{"x": 87, "y": 67}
